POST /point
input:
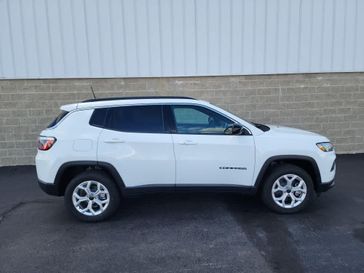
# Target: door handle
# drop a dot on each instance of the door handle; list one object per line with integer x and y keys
{"x": 189, "y": 142}
{"x": 114, "y": 140}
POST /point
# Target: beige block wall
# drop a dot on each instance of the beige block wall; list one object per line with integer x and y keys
{"x": 331, "y": 104}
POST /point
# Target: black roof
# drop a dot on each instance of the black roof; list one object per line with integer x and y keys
{"x": 135, "y": 98}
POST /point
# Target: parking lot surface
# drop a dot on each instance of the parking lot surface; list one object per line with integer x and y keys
{"x": 196, "y": 232}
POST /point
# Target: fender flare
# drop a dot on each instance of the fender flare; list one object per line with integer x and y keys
{"x": 110, "y": 169}
{"x": 316, "y": 175}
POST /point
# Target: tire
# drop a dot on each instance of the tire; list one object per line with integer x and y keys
{"x": 278, "y": 195}
{"x": 92, "y": 196}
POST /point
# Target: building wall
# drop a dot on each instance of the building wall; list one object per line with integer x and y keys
{"x": 153, "y": 38}
{"x": 331, "y": 104}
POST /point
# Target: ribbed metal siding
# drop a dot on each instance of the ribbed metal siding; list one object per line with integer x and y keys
{"x": 115, "y": 38}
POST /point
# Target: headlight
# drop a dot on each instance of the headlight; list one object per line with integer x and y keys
{"x": 325, "y": 146}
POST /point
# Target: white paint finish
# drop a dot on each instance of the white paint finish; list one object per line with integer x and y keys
{"x": 145, "y": 159}
{"x": 200, "y": 159}
{"x": 151, "y": 38}
{"x": 82, "y": 145}
{"x": 140, "y": 158}
{"x": 76, "y": 141}
{"x": 291, "y": 141}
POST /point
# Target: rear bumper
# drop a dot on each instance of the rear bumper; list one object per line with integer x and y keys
{"x": 325, "y": 186}
{"x": 49, "y": 188}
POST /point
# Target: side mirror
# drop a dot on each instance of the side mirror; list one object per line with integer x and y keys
{"x": 234, "y": 129}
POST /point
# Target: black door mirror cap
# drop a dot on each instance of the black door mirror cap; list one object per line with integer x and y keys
{"x": 236, "y": 129}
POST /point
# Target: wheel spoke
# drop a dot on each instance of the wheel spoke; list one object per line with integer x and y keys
{"x": 78, "y": 196}
{"x": 279, "y": 183}
{"x": 80, "y": 200}
{"x": 288, "y": 181}
{"x": 84, "y": 209}
{"x": 278, "y": 188}
{"x": 89, "y": 183}
{"x": 293, "y": 178}
{"x": 293, "y": 199}
{"x": 300, "y": 185}
{"x": 98, "y": 189}
{"x": 100, "y": 204}
{"x": 103, "y": 201}
{"x": 282, "y": 197}
{"x": 300, "y": 190}
{"x": 300, "y": 198}
{"x": 89, "y": 207}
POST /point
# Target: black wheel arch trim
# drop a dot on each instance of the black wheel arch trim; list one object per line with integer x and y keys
{"x": 317, "y": 176}
{"x": 56, "y": 187}
{"x": 111, "y": 170}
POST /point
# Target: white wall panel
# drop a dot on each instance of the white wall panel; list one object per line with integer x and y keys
{"x": 152, "y": 38}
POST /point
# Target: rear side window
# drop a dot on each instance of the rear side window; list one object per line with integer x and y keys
{"x": 57, "y": 119}
{"x": 138, "y": 119}
{"x": 98, "y": 117}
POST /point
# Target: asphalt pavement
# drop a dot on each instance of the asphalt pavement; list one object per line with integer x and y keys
{"x": 184, "y": 232}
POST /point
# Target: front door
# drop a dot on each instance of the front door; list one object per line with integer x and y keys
{"x": 206, "y": 153}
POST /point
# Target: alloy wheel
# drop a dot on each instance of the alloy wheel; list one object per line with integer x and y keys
{"x": 90, "y": 198}
{"x": 289, "y": 191}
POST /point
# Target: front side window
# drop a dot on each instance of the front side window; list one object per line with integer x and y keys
{"x": 199, "y": 120}
{"x": 138, "y": 119}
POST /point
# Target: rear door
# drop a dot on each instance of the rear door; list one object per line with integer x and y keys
{"x": 205, "y": 152}
{"x": 137, "y": 144}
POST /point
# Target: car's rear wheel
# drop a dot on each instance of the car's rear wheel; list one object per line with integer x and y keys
{"x": 288, "y": 189}
{"x": 92, "y": 196}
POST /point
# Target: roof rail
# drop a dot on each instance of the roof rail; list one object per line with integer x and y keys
{"x": 136, "y": 98}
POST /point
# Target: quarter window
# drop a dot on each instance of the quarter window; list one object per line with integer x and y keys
{"x": 98, "y": 117}
{"x": 199, "y": 120}
{"x": 57, "y": 119}
{"x": 138, "y": 119}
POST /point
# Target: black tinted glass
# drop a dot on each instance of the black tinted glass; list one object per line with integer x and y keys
{"x": 98, "y": 117}
{"x": 140, "y": 119}
{"x": 57, "y": 119}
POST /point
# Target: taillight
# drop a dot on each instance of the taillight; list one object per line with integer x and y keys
{"x": 45, "y": 143}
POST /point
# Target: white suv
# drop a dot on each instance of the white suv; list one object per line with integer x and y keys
{"x": 99, "y": 150}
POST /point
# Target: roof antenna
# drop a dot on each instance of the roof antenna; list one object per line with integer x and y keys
{"x": 92, "y": 90}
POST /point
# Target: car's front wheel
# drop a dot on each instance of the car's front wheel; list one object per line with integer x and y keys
{"x": 92, "y": 196}
{"x": 288, "y": 189}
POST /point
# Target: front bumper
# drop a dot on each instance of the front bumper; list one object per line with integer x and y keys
{"x": 322, "y": 187}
